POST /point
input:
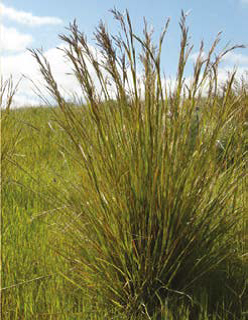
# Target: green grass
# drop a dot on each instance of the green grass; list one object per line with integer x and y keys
{"x": 32, "y": 285}
{"x": 126, "y": 208}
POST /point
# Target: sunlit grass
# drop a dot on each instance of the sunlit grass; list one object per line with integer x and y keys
{"x": 139, "y": 200}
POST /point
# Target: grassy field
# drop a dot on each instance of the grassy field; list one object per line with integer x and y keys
{"x": 126, "y": 208}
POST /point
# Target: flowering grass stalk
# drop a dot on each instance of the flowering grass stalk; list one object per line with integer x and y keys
{"x": 156, "y": 217}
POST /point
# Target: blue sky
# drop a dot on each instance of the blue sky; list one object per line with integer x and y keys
{"x": 36, "y": 24}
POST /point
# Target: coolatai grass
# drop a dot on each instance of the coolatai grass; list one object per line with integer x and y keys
{"x": 132, "y": 205}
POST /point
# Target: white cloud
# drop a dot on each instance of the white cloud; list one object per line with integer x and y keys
{"x": 195, "y": 55}
{"x": 231, "y": 57}
{"x": 27, "y": 18}
{"x": 12, "y": 40}
{"x": 16, "y": 65}
{"x": 244, "y": 1}
{"x": 236, "y": 58}
{"x": 23, "y": 63}
{"x": 225, "y": 72}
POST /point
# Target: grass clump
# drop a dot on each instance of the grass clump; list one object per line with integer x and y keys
{"x": 157, "y": 222}
{"x": 152, "y": 225}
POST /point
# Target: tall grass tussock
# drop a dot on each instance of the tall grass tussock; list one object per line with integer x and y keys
{"x": 153, "y": 218}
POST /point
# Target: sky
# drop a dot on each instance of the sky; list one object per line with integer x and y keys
{"x": 36, "y": 24}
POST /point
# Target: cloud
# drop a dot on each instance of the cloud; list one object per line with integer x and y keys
{"x": 19, "y": 64}
{"x": 231, "y": 58}
{"x": 244, "y": 1}
{"x": 27, "y": 18}
{"x": 23, "y": 63}
{"x": 16, "y": 65}
{"x": 195, "y": 55}
{"x": 13, "y": 40}
{"x": 236, "y": 58}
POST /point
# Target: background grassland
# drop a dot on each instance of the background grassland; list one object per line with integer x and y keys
{"x": 28, "y": 251}
{"x": 126, "y": 208}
